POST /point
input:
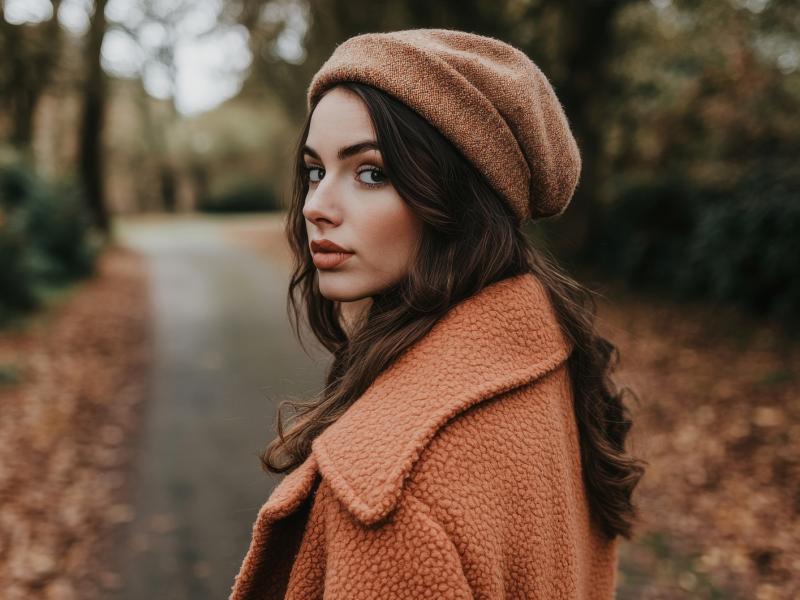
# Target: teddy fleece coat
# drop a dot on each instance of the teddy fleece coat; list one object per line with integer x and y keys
{"x": 456, "y": 475}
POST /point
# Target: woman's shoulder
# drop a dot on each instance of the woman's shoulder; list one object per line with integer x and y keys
{"x": 511, "y": 436}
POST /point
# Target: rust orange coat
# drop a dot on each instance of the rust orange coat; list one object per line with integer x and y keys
{"x": 456, "y": 475}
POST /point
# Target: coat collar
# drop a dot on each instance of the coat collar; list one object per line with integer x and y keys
{"x": 503, "y": 338}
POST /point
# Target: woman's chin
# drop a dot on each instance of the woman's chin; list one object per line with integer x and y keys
{"x": 342, "y": 287}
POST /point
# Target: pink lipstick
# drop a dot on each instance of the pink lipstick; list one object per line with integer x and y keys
{"x": 328, "y": 255}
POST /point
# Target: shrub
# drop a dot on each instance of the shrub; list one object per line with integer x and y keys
{"x": 61, "y": 236}
{"x": 241, "y": 196}
{"x": 17, "y": 286}
{"x": 749, "y": 252}
{"x": 740, "y": 246}
{"x": 45, "y": 239}
{"x": 645, "y": 234}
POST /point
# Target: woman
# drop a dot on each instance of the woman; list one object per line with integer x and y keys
{"x": 469, "y": 442}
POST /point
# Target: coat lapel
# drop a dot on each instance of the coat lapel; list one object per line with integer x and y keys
{"x": 265, "y": 571}
{"x": 496, "y": 341}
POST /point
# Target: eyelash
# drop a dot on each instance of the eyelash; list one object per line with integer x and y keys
{"x": 308, "y": 168}
{"x": 307, "y": 172}
{"x": 364, "y": 169}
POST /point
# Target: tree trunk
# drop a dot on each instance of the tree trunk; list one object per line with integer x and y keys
{"x": 586, "y": 48}
{"x": 32, "y": 53}
{"x": 91, "y": 151}
{"x": 168, "y": 189}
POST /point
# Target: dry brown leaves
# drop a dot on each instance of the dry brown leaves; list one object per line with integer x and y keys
{"x": 67, "y": 436}
{"x": 719, "y": 422}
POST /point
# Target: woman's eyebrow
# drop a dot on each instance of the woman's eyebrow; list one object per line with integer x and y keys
{"x": 307, "y": 150}
{"x": 346, "y": 151}
{"x": 358, "y": 148}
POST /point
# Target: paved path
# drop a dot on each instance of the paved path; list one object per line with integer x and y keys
{"x": 221, "y": 337}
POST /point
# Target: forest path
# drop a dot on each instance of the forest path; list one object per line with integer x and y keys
{"x": 223, "y": 345}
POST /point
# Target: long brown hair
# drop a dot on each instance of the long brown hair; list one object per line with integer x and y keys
{"x": 469, "y": 241}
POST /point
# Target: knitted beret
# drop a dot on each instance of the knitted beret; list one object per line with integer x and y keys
{"x": 486, "y": 97}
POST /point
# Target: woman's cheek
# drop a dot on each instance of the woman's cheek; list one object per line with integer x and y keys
{"x": 395, "y": 236}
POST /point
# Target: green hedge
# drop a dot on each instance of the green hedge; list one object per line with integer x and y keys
{"x": 740, "y": 246}
{"x": 241, "y": 196}
{"x": 45, "y": 239}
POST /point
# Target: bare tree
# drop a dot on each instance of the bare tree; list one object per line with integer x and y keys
{"x": 95, "y": 88}
{"x": 30, "y": 54}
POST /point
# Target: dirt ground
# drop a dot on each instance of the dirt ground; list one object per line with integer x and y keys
{"x": 73, "y": 379}
{"x": 718, "y": 420}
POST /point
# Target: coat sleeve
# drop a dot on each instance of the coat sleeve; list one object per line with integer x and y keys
{"x": 405, "y": 557}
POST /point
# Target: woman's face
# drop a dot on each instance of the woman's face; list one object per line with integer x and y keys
{"x": 361, "y": 234}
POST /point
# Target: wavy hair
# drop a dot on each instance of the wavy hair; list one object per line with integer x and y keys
{"x": 469, "y": 241}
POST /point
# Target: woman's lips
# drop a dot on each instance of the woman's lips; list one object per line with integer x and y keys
{"x": 328, "y": 255}
{"x": 329, "y": 260}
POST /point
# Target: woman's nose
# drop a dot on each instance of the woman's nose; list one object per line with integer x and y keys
{"x": 321, "y": 207}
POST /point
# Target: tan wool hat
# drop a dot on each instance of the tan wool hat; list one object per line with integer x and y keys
{"x": 485, "y": 96}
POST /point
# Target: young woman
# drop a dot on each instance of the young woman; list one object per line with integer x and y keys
{"x": 468, "y": 442}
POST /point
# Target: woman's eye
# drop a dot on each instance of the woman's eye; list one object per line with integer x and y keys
{"x": 372, "y": 176}
{"x": 316, "y": 174}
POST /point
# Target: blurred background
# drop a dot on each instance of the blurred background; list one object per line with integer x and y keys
{"x": 143, "y": 332}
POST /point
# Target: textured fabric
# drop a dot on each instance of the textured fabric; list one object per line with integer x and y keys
{"x": 485, "y": 96}
{"x": 456, "y": 475}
